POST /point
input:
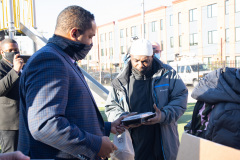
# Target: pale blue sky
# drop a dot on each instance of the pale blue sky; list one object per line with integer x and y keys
{"x": 104, "y": 10}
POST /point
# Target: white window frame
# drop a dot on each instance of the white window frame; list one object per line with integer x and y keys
{"x": 237, "y": 34}
{"x": 237, "y": 5}
{"x": 226, "y": 7}
{"x": 121, "y": 33}
{"x": 171, "y": 42}
{"x": 193, "y": 39}
{"x": 171, "y": 20}
{"x": 153, "y": 26}
{"x": 180, "y": 40}
{"x": 193, "y": 15}
{"x": 133, "y": 31}
{"x": 212, "y": 37}
{"x": 212, "y": 10}
{"x": 179, "y": 17}
{"x": 227, "y": 38}
{"x": 161, "y": 24}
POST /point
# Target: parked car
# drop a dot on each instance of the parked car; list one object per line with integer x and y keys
{"x": 190, "y": 70}
{"x": 107, "y": 78}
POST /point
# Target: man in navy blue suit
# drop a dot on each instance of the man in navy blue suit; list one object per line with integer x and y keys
{"x": 59, "y": 118}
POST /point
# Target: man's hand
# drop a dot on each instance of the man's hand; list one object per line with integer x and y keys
{"x": 14, "y": 156}
{"x": 107, "y": 147}
{"x": 133, "y": 126}
{"x": 117, "y": 127}
{"x": 17, "y": 63}
{"x": 155, "y": 119}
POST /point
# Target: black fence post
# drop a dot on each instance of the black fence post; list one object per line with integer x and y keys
{"x": 198, "y": 72}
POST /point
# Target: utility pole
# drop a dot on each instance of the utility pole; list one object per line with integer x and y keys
{"x": 143, "y": 28}
{"x": 11, "y": 28}
{"x": 34, "y": 24}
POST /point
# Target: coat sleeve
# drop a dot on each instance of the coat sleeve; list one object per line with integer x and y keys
{"x": 113, "y": 108}
{"x": 47, "y": 89}
{"x": 7, "y": 81}
{"x": 177, "y": 100}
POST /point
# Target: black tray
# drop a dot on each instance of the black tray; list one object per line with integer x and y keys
{"x": 138, "y": 119}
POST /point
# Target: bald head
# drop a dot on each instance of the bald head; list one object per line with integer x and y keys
{"x": 6, "y": 41}
{"x": 74, "y": 17}
{"x": 156, "y": 47}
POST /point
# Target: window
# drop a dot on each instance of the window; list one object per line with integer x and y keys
{"x": 227, "y": 34}
{"x": 237, "y": 34}
{"x": 237, "y": 62}
{"x": 237, "y": 5}
{"x": 178, "y": 69}
{"x": 110, "y": 35}
{"x": 126, "y": 32}
{"x": 153, "y": 27}
{"x": 212, "y": 10}
{"x": 161, "y": 24}
{"x": 188, "y": 69}
{"x": 212, "y": 37}
{"x": 207, "y": 61}
{"x": 193, "y": 39}
{"x": 121, "y": 48}
{"x": 171, "y": 20}
{"x": 102, "y": 52}
{"x": 144, "y": 27}
{"x": 111, "y": 52}
{"x": 227, "y": 7}
{"x": 192, "y": 15}
{"x": 171, "y": 42}
{"x": 227, "y": 61}
{"x": 182, "y": 69}
{"x": 180, "y": 41}
{"x": 179, "y": 17}
{"x": 133, "y": 31}
{"x": 102, "y": 37}
{"x": 162, "y": 45}
{"x": 121, "y": 33}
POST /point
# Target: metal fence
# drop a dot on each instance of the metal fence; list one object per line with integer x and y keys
{"x": 190, "y": 74}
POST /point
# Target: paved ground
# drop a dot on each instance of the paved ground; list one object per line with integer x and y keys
{"x": 101, "y": 103}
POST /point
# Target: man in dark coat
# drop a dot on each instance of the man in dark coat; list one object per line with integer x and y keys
{"x": 10, "y": 67}
{"x": 148, "y": 85}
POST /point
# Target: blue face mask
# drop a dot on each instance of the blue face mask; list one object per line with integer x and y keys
{"x": 157, "y": 55}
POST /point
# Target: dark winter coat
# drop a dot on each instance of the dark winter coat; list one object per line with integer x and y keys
{"x": 222, "y": 88}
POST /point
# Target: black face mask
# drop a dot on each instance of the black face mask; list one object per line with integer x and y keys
{"x": 81, "y": 50}
{"x": 75, "y": 50}
{"x": 9, "y": 56}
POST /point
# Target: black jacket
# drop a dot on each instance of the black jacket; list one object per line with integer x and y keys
{"x": 222, "y": 88}
{"x": 9, "y": 97}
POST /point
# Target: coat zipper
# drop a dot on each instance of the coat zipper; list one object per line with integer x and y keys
{"x": 155, "y": 95}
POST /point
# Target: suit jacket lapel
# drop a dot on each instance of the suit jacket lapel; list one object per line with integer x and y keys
{"x": 67, "y": 58}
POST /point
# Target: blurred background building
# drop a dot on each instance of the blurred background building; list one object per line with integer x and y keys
{"x": 206, "y": 29}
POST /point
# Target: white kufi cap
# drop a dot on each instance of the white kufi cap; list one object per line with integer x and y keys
{"x": 141, "y": 47}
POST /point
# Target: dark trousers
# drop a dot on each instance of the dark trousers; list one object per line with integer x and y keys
{"x": 8, "y": 141}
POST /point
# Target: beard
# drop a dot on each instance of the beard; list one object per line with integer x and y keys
{"x": 144, "y": 71}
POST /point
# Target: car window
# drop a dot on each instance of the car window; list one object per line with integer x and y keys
{"x": 200, "y": 67}
{"x": 182, "y": 69}
{"x": 178, "y": 69}
{"x": 188, "y": 69}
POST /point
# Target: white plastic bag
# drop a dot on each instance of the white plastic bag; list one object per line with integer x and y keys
{"x": 125, "y": 148}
